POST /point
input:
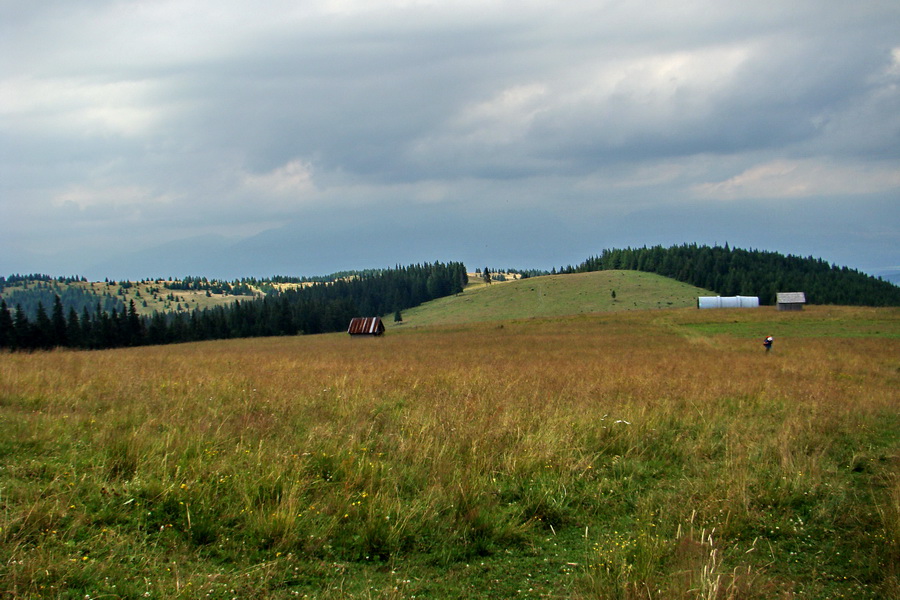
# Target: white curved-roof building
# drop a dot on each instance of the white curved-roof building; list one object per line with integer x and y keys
{"x": 728, "y": 302}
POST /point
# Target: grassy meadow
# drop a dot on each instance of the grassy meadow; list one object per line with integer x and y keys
{"x": 554, "y": 296}
{"x": 631, "y": 455}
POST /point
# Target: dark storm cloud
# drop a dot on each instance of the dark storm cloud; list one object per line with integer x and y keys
{"x": 144, "y": 123}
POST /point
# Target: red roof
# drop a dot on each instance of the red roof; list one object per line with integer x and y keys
{"x": 366, "y": 326}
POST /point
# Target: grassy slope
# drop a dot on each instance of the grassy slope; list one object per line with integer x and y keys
{"x": 554, "y": 296}
{"x": 620, "y": 455}
{"x": 143, "y": 293}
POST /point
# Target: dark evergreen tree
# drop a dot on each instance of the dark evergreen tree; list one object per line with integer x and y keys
{"x": 7, "y": 327}
{"x": 60, "y": 336}
{"x": 87, "y": 329}
{"x": 24, "y": 339}
{"x": 73, "y": 330}
{"x": 43, "y": 330}
{"x": 133, "y": 327}
{"x": 157, "y": 330}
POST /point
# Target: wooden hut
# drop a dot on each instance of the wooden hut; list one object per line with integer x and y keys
{"x": 790, "y": 300}
{"x": 366, "y": 326}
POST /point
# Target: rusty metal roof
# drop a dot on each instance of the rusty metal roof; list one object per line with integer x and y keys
{"x": 366, "y": 326}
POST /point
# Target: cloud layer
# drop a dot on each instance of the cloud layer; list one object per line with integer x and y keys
{"x": 532, "y": 133}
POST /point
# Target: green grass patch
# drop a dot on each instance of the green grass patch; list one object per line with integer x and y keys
{"x": 816, "y": 321}
{"x": 554, "y": 296}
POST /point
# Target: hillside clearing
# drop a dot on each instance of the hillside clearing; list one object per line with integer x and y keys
{"x": 555, "y": 296}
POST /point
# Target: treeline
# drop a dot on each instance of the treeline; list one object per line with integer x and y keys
{"x": 19, "y": 279}
{"x": 270, "y": 284}
{"x": 90, "y": 329}
{"x": 43, "y": 294}
{"x": 213, "y": 286}
{"x": 736, "y": 272}
{"x": 490, "y": 275}
{"x": 317, "y": 308}
{"x": 318, "y": 278}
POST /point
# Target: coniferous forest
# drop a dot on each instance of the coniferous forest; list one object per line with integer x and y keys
{"x": 736, "y": 272}
{"x": 327, "y": 304}
{"x": 317, "y": 308}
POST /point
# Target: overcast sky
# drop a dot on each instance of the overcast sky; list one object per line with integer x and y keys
{"x": 229, "y": 138}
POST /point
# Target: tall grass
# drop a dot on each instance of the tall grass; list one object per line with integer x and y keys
{"x": 625, "y": 456}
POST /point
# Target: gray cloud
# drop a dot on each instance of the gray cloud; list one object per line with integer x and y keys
{"x": 124, "y": 126}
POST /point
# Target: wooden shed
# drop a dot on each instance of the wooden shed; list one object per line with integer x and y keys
{"x": 366, "y": 326}
{"x": 790, "y": 300}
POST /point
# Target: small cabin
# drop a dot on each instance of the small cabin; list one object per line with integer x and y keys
{"x": 728, "y": 302}
{"x": 366, "y": 326}
{"x": 790, "y": 300}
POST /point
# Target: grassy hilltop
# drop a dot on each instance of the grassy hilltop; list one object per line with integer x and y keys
{"x": 554, "y": 296}
{"x": 639, "y": 454}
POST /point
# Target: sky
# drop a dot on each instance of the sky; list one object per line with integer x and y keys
{"x": 228, "y": 139}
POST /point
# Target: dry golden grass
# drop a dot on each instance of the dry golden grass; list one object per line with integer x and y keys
{"x": 658, "y": 454}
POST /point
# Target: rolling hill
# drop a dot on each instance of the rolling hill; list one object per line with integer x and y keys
{"x": 554, "y": 296}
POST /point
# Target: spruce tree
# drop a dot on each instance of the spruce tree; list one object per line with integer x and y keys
{"x": 59, "y": 323}
{"x": 86, "y": 327}
{"x": 24, "y": 340}
{"x": 7, "y": 328}
{"x": 134, "y": 327}
{"x": 73, "y": 330}
{"x": 45, "y": 337}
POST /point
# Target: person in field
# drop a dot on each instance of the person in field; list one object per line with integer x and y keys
{"x": 768, "y": 342}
